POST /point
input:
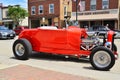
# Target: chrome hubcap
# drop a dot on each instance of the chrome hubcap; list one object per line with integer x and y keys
{"x": 19, "y": 49}
{"x": 102, "y": 59}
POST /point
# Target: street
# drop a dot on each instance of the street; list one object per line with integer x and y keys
{"x": 58, "y": 63}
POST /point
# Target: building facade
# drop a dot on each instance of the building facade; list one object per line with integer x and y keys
{"x": 0, "y": 13}
{"x": 97, "y": 12}
{"x": 4, "y": 19}
{"x": 119, "y": 15}
{"x": 48, "y": 12}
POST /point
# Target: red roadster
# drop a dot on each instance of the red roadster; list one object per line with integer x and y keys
{"x": 72, "y": 41}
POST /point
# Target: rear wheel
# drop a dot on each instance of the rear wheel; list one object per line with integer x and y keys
{"x": 21, "y": 49}
{"x": 114, "y": 48}
{"x": 102, "y": 58}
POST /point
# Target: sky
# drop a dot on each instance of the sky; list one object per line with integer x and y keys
{"x": 22, "y": 3}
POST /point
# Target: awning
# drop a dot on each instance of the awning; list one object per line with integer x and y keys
{"x": 96, "y": 17}
{"x": 7, "y": 20}
{"x": 0, "y": 22}
{"x": 110, "y": 14}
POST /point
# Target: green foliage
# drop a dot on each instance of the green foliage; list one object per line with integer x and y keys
{"x": 17, "y": 14}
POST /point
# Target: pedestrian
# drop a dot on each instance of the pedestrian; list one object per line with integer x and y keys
{"x": 107, "y": 27}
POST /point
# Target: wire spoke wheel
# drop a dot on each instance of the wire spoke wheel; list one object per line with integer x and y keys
{"x": 19, "y": 49}
{"x": 102, "y": 59}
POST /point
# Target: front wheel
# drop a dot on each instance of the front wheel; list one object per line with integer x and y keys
{"x": 102, "y": 58}
{"x": 21, "y": 49}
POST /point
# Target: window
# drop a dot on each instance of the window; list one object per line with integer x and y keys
{"x": 105, "y": 4}
{"x": 33, "y": 10}
{"x": 6, "y": 13}
{"x": 41, "y": 9}
{"x": 65, "y": 10}
{"x": 82, "y": 6}
{"x": 51, "y": 8}
{"x": 93, "y": 5}
{"x": 0, "y": 14}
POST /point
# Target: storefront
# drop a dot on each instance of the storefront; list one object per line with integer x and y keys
{"x": 44, "y": 21}
{"x": 112, "y": 23}
{"x": 8, "y": 23}
{"x": 99, "y": 17}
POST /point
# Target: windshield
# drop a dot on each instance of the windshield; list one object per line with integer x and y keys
{"x": 3, "y": 28}
{"x": 72, "y": 23}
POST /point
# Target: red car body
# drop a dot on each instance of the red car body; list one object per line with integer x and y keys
{"x": 60, "y": 41}
{"x": 19, "y": 29}
{"x": 73, "y": 41}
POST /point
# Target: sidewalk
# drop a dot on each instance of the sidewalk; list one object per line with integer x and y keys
{"x": 2, "y": 66}
{"x": 24, "y": 72}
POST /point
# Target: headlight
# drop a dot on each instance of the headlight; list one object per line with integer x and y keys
{"x": 108, "y": 45}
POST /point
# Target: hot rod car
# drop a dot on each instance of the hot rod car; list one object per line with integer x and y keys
{"x": 72, "y": 41}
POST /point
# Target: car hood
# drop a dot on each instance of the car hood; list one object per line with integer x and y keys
{"x": 7, "y": 31}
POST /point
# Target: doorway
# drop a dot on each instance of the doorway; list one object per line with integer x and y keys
{"x": 49, "y": 21}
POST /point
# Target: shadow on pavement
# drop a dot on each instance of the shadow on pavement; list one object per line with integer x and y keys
{"x": 89, "y": 68}
{"x": 46, "y": 56}
{"x": 51, "y": 57}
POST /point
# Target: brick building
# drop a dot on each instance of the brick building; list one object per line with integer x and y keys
{"x": 119, "y": 15}
{"x": 97, "y": 12}
{"x": 48, "y": 12}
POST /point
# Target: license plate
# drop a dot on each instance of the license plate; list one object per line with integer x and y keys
{"x": 11, "y": 34}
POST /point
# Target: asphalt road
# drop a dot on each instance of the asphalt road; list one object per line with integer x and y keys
{"x": 58, "y": 63}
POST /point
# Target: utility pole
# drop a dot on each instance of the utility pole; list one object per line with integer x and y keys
{"x": 119, "y": 14}
{"x": 76, "y": 10}
{"x": 76, "y": 3}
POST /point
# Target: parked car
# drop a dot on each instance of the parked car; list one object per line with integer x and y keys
{"x": 72, "y": 41}
{"x": 5, "y": 33}
{"x": 117, "y": 34}
{"x": 102, "y": 30}
{"x": 19, "y": 29}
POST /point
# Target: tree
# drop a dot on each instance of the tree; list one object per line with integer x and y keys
{"x": 17, "y": 14}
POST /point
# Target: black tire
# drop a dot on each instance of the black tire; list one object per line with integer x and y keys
{"x": 21, "y": 49}
{"x": 102, "y": 58}
{"x": 114, "y": 48}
